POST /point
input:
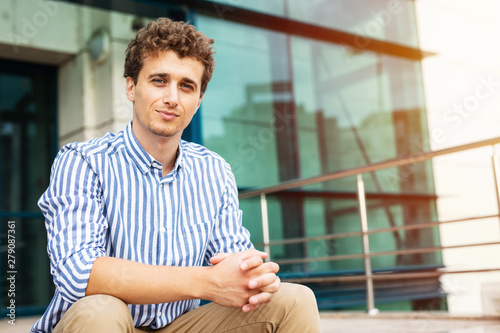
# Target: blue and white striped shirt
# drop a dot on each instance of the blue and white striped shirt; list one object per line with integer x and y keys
{"x": 107, "y": 197}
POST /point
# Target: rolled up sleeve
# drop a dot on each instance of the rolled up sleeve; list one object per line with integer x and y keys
{"x": 229, "y": 235}
{"x": 76, "y": 227}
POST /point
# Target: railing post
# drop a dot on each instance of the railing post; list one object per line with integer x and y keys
{"x": 496, "y": 174}
{"x": 370, "y": 296}
{"x": 265, "y": 225}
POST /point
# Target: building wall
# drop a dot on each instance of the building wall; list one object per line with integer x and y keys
{"x": 91, "y": 95}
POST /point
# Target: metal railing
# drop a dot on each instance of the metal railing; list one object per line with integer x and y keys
{"x": 364, "y": 233}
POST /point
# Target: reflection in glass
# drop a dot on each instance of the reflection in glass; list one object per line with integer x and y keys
{"x": 282, "y": 107}
{"x": 388, "y": 20}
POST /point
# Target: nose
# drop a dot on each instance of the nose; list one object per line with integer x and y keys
{"x": 170, "y": 96}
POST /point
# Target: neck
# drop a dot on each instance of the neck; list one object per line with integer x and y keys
{"x": 163, "y": 149}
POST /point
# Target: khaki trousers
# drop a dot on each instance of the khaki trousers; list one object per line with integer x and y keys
{"x": 292, "y": 309}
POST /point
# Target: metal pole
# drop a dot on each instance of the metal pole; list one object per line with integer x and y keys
{"x": 265, "y": 225}
{"x": 496, "y": 174}
{"x": 370, "y": 298}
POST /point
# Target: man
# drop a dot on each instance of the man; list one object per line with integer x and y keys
{"x": 141, "y": 225}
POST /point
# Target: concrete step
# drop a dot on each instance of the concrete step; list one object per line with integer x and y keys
{"x": 407, "y": 322}
{"x": 359, "y": 322}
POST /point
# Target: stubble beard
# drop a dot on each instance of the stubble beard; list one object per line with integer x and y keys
{"x": 162, "y": 131}
{"x": 156, "y": 127}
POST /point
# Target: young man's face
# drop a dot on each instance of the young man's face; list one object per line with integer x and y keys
{"x": 166, "y": 95}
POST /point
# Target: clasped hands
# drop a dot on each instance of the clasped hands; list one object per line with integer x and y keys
{"x": 243, "y": 279}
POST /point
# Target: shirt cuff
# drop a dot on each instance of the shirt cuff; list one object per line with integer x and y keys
{"x": 74, "y": 273}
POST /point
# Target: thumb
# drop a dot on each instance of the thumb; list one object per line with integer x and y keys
{"x": 217, "y": 258}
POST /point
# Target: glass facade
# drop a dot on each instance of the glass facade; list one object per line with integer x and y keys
{"x": 27, "y": 147}
{"x": 282, "y": 107}
{"x": 392, "y": 20}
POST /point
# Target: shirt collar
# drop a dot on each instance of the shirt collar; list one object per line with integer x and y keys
{"x": 179, "y": 161}
{"x": 141, "y": 157}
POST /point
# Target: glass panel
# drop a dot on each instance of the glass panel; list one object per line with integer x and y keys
{"x": 252, "y": 214}
{"x": 15, "y": 89}
{"x": 337, "y": 113}
{"x": 27, "y": 134}
{"x": 343, "y": 104}
{"x": 392, "y": 20}
{"x": 27, "y": 137}
{"x": 240, "y": 101}
{"x": 316, "y": 124}
{"x": 283, "y": 107}
{"x": 275, "y": 7}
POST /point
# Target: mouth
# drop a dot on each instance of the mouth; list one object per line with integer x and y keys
{"x": 167, "y": 115}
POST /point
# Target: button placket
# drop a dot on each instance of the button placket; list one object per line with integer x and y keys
{"x": 162, "y": 224}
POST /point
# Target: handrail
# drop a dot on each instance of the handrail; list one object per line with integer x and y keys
{"x": 364, "y": 232}
{"x": 380, "y": 254}
{"x": 372, "y": 231}
{"x": 366, "y": 168}
{"x": 389, "y": 276}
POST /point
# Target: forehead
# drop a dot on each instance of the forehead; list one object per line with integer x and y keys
{"x": 168, "y": 62}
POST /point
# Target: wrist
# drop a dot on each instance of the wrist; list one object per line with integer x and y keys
{"x": 201, "y": 283}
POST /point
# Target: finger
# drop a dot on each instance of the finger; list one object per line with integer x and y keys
{"x": 268, "y": 282}
{"x": 267, "y": 267}
{"x": 251, "y": 262}
{"x": 218, "y": 258}
{"x": 253, "y": 252}
{"x": 273, "y": 267}
{"x": 249, "y": 307}
{"x": 261, "y": 298}
{"x": 273, "y": 287}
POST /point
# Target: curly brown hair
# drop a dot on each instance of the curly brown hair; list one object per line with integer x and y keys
{"x": 167, "y": 35}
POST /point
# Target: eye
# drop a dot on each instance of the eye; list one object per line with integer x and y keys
{"x": 187, "y": 86}
{"x": 158, "y": 81}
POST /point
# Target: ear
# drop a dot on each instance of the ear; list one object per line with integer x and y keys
{"x": 199, "y": 102}
{"x": 130, "y": 89}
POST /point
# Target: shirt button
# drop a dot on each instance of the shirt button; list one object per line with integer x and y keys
{"x": 159, "y": 314}
{"x": 161, "y": 185}
{"x": 163, "y": 230}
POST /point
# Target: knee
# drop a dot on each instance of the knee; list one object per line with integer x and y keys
{"x": 102, "y": 307}
{"x": 299, "y": 307}
{"x": 97, "y": 312}
{"x": 298, "y": 293}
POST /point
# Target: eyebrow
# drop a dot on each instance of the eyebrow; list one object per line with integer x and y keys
{"x": 166, "y": 75}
